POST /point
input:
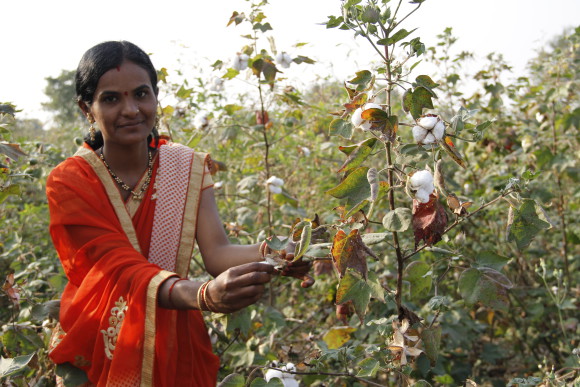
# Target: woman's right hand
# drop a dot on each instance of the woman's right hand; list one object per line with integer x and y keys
{"x": 238, "y": 287}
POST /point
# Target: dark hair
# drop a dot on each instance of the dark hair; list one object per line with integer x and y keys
{"x": 102, "y": 58}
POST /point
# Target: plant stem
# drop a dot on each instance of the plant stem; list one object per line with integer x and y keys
{"x": 400, "y": 260}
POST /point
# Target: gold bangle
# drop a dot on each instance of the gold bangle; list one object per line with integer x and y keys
{"x": 199, "y": 296}
{"x": 204, "y": 298}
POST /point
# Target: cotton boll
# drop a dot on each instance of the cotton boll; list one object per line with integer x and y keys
{"x": 201, "y": 120}
{"x": 217, "y": 84}
{"x": 240, "y": 62}
{"x": 284, "y": 59}
{"x": 274, "y": 189}
{"x": 420, "y": 186}
{"x": 287, "y": 379}
{"x": 438, "y": 130}
{"x": 428, "y": 122}
{"x": 429, "y": 139}
{"x": 419, "y": 133}
{"x": 422, "y": 195}
{"x": 356, "y": 118}
{"x": 273, "y": 180}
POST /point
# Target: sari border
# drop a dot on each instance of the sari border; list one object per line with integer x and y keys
{"x": 149, "y": 331}
{"x": 190, "y": 215}
{"x": 113, "y": 193}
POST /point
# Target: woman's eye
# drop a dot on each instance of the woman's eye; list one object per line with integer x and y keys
{"x": 110, "y": 99}
{"x": 142, "y": 93}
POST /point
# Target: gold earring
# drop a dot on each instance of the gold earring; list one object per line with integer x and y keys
{"x": 156, "y": 123}
{"x": 92, "y": 130}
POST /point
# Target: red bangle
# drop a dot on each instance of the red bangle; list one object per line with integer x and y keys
{"x": 171, "y": 290}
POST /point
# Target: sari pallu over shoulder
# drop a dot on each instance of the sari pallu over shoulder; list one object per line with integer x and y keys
{"x": 115, "y": 331}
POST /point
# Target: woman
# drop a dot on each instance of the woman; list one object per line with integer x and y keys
{"x": 125, "y": 212}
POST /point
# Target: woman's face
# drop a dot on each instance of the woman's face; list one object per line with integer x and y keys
{"x": 124, "y": 105}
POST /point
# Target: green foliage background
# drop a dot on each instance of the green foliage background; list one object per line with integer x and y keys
{"x": 498, "y": 296}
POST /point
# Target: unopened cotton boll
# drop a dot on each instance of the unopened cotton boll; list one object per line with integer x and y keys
{"x": 284, "y": 59}
{"x": 357, "y": 120}
{"x": 240, "y": 62}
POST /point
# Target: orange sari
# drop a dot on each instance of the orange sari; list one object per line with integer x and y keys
{"x": 110, "y": 324}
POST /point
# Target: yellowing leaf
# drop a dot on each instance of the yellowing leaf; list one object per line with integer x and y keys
{"x": 337, "y": 337}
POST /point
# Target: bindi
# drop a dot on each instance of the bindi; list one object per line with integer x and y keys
{"x": 118, "y": 68}
{"x": 126, "y": 93}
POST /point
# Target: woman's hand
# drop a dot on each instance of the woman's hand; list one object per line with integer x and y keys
{"x": 238, "y": 287}
{"x": 298, "y": 269}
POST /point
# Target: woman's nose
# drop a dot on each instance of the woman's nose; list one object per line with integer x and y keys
{"x": 130, "y": 107}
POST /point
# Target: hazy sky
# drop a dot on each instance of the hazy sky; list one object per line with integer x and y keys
{"x": 42, "y": 37}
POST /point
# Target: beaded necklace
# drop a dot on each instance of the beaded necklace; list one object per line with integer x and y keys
{"x": 139, "y": 194}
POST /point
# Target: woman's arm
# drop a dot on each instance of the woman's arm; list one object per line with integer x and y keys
{"x": 216, "y": 250}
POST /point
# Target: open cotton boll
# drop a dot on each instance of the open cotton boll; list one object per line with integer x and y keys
{"x": 429, "y": 130}
{"x": 287, "y": 379}
{"x": 356, "y": 117}
{"x": 217, "y": 84}
{"x": 274, "y": 189}
{"x": 284, "y": 59}
{"x": 439, "y": 130}
{"x": 273, "y": 180}
{"x": 240, "y": 62}
{"x": 422, "y": 195}
{"x": 421, "y": 185}
{"x": 428, "y": 122}
{"x": 201, "y": 120}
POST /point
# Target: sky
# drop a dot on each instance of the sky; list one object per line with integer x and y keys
{"x": 43, "y": 37}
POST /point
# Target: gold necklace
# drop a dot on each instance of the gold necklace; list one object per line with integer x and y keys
{"x": 139, "y": 194}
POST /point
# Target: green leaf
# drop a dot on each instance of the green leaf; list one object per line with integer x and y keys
{"x": 233, "y": 380}
{"x": 41, "y": 312}
{"x": 368, "y": 367}
{"x": 491, "y": 259}
{"x": 11, "y": 366}
{"x": 355, "y": 187}
{"x": 426, "y": 81}
{"x": 397, "y": 36}
{"x": 340, "y": 127}
{"x": 303, "y": 59}
{"x": 364, "y": 80}
{"x": 417, "y": 273}
{"x": 285, "y": 198}
{"x": 13, "y": 189}
{"x": 431, "y": 340}
{"x": 417, "y": 100}
{"x": 374, "y": 238}
{"x": 230, "y": 74}
{"x": 526, "y": 224}
{"x": 475, "y": 286}
{"x": 359, "y": 155}
{"x": 377, "y": 290}
{"x": 232, "y": 108}
{"x": 274, "y": 382}
{"x": 398, "y": 220}
{"x": 353, "y": 287}
{"x": 262, "y": 27}
{"x": 183, "y": 92}
{"x": 276, "y": 243}
{"x": 71, "y": 375}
